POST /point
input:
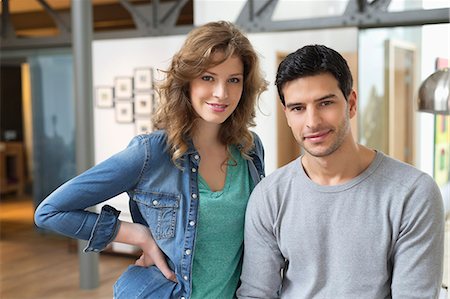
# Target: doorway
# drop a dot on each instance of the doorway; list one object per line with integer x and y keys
{"x": 16, "y": 145}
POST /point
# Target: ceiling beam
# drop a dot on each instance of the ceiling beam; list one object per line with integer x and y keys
{"x": 361, "y": 14}
{"x": 61, "y": 21}
{"x": 167, "y": 17}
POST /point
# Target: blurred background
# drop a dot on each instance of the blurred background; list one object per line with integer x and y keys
{"x": 77, "y": 84}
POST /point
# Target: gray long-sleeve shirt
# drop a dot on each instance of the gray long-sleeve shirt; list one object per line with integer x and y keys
{"x": 379, "y": 235}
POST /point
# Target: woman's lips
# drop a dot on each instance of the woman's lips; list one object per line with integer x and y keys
{"x": 217, "y": 107}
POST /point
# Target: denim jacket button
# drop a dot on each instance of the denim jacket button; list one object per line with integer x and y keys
{"x": 185, "y": 277}
{"x": 194, "y": 196}
{"x": 192, "y": 223}
{"x": 188, "y": 251}
{"x": 196, "y": 157}
{"x": 183, "y": 298}
{"x": 193, "y": 169}
{"x": 155, "y": 202}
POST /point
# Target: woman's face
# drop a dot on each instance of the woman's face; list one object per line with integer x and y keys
{"x": 216, "y": 93}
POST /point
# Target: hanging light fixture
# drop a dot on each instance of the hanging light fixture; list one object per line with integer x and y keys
{"x": 434, "y": 93}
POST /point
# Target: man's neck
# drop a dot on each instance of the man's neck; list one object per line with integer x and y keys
{"x": 344, "y": 164}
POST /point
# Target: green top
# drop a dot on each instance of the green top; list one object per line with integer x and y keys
{"x": 220, "y": 233}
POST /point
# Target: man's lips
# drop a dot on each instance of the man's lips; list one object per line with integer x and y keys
{"x": 317, "y": 136}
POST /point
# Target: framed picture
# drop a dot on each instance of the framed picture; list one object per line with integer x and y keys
{"x": 104, "y": 97}
{"x": 143, "y": 126}
{"x": 124, "y": 111}
{"x": 143, "y": 104}
{"x": 143, "y": 79}
{"x": 123, "y": 87}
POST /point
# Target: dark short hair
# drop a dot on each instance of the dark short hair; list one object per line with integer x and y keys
{"x": 314, "y": 60}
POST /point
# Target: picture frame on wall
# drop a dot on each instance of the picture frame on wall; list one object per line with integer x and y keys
{"x": 143, "y": 104}
{"x": 143, "y": 78}
{"x": 104, "y": 96}
{"x": 124, "y": 111}
{"x": 143, "y": 125}
{"x": 123, "y": 87}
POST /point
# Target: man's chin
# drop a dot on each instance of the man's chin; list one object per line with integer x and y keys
{"x": 319, "y": 153}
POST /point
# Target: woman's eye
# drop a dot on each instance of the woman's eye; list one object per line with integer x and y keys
{"x": 207, "y": 78}
{"x": 234, "y": 80}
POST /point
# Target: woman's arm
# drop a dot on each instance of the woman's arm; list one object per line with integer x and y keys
{"x": 64, "y": 211}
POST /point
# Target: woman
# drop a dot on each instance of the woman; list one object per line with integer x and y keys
{"x": 188, "y": 183}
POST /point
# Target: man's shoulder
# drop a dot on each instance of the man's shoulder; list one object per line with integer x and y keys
{"x": 399, "y": 171}
{"x": 281, "y": 176}
{"x": 403, "y": 176}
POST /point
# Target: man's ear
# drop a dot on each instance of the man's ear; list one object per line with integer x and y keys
{"x": 352, "y": 103}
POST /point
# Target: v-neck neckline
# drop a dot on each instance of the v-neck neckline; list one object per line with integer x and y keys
{"x": 204, "y": 184}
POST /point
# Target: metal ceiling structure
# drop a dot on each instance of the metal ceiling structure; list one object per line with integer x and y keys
{"x": 161, "y": 18}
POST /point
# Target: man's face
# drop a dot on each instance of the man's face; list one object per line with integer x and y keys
{"x": 318, "y": 114}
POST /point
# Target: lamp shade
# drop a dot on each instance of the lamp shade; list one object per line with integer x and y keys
{"x": 434, "y": 93}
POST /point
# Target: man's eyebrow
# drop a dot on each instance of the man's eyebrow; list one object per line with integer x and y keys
{"x": 331, "y": 95}
{"x": 293, "y": 104}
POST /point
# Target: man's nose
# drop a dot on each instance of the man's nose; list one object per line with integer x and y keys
{"x": 313, "y": 118}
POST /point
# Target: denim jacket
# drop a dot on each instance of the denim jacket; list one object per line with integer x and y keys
{"x": 162, "y": 197}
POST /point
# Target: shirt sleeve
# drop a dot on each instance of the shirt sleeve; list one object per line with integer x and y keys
{"x": 64, "y": 210}
{"x": 263, "y": 261}
{"x": 418, "y": 252}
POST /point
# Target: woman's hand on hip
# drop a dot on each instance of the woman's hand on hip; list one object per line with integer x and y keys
{"x": 140, "y": 235}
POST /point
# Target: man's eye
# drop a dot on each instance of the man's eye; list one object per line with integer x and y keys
{"x": 207, "y": 78}
{"x": 325, "y": 103}
{"x": 297, "y": 108}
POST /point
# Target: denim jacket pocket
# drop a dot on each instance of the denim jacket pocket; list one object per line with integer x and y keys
{"x": 160, "y": 212}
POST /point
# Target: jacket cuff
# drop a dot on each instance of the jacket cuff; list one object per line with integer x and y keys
{"x": 105, "y": 229}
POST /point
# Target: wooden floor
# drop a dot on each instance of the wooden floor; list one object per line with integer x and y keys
{"x": 34, "y": 265}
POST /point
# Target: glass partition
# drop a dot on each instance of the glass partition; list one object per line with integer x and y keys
{"x": 53, "y": 122}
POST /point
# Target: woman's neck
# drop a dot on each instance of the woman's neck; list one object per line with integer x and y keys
{"x": 207, "y": 136}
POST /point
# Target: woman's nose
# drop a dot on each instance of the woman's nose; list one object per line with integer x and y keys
{"x": 220, "y": 90}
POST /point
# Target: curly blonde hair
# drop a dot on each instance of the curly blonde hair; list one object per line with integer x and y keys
{"x": 175, "y": 113}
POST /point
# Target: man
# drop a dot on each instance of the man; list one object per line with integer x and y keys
{"x": 342, "y": 220}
